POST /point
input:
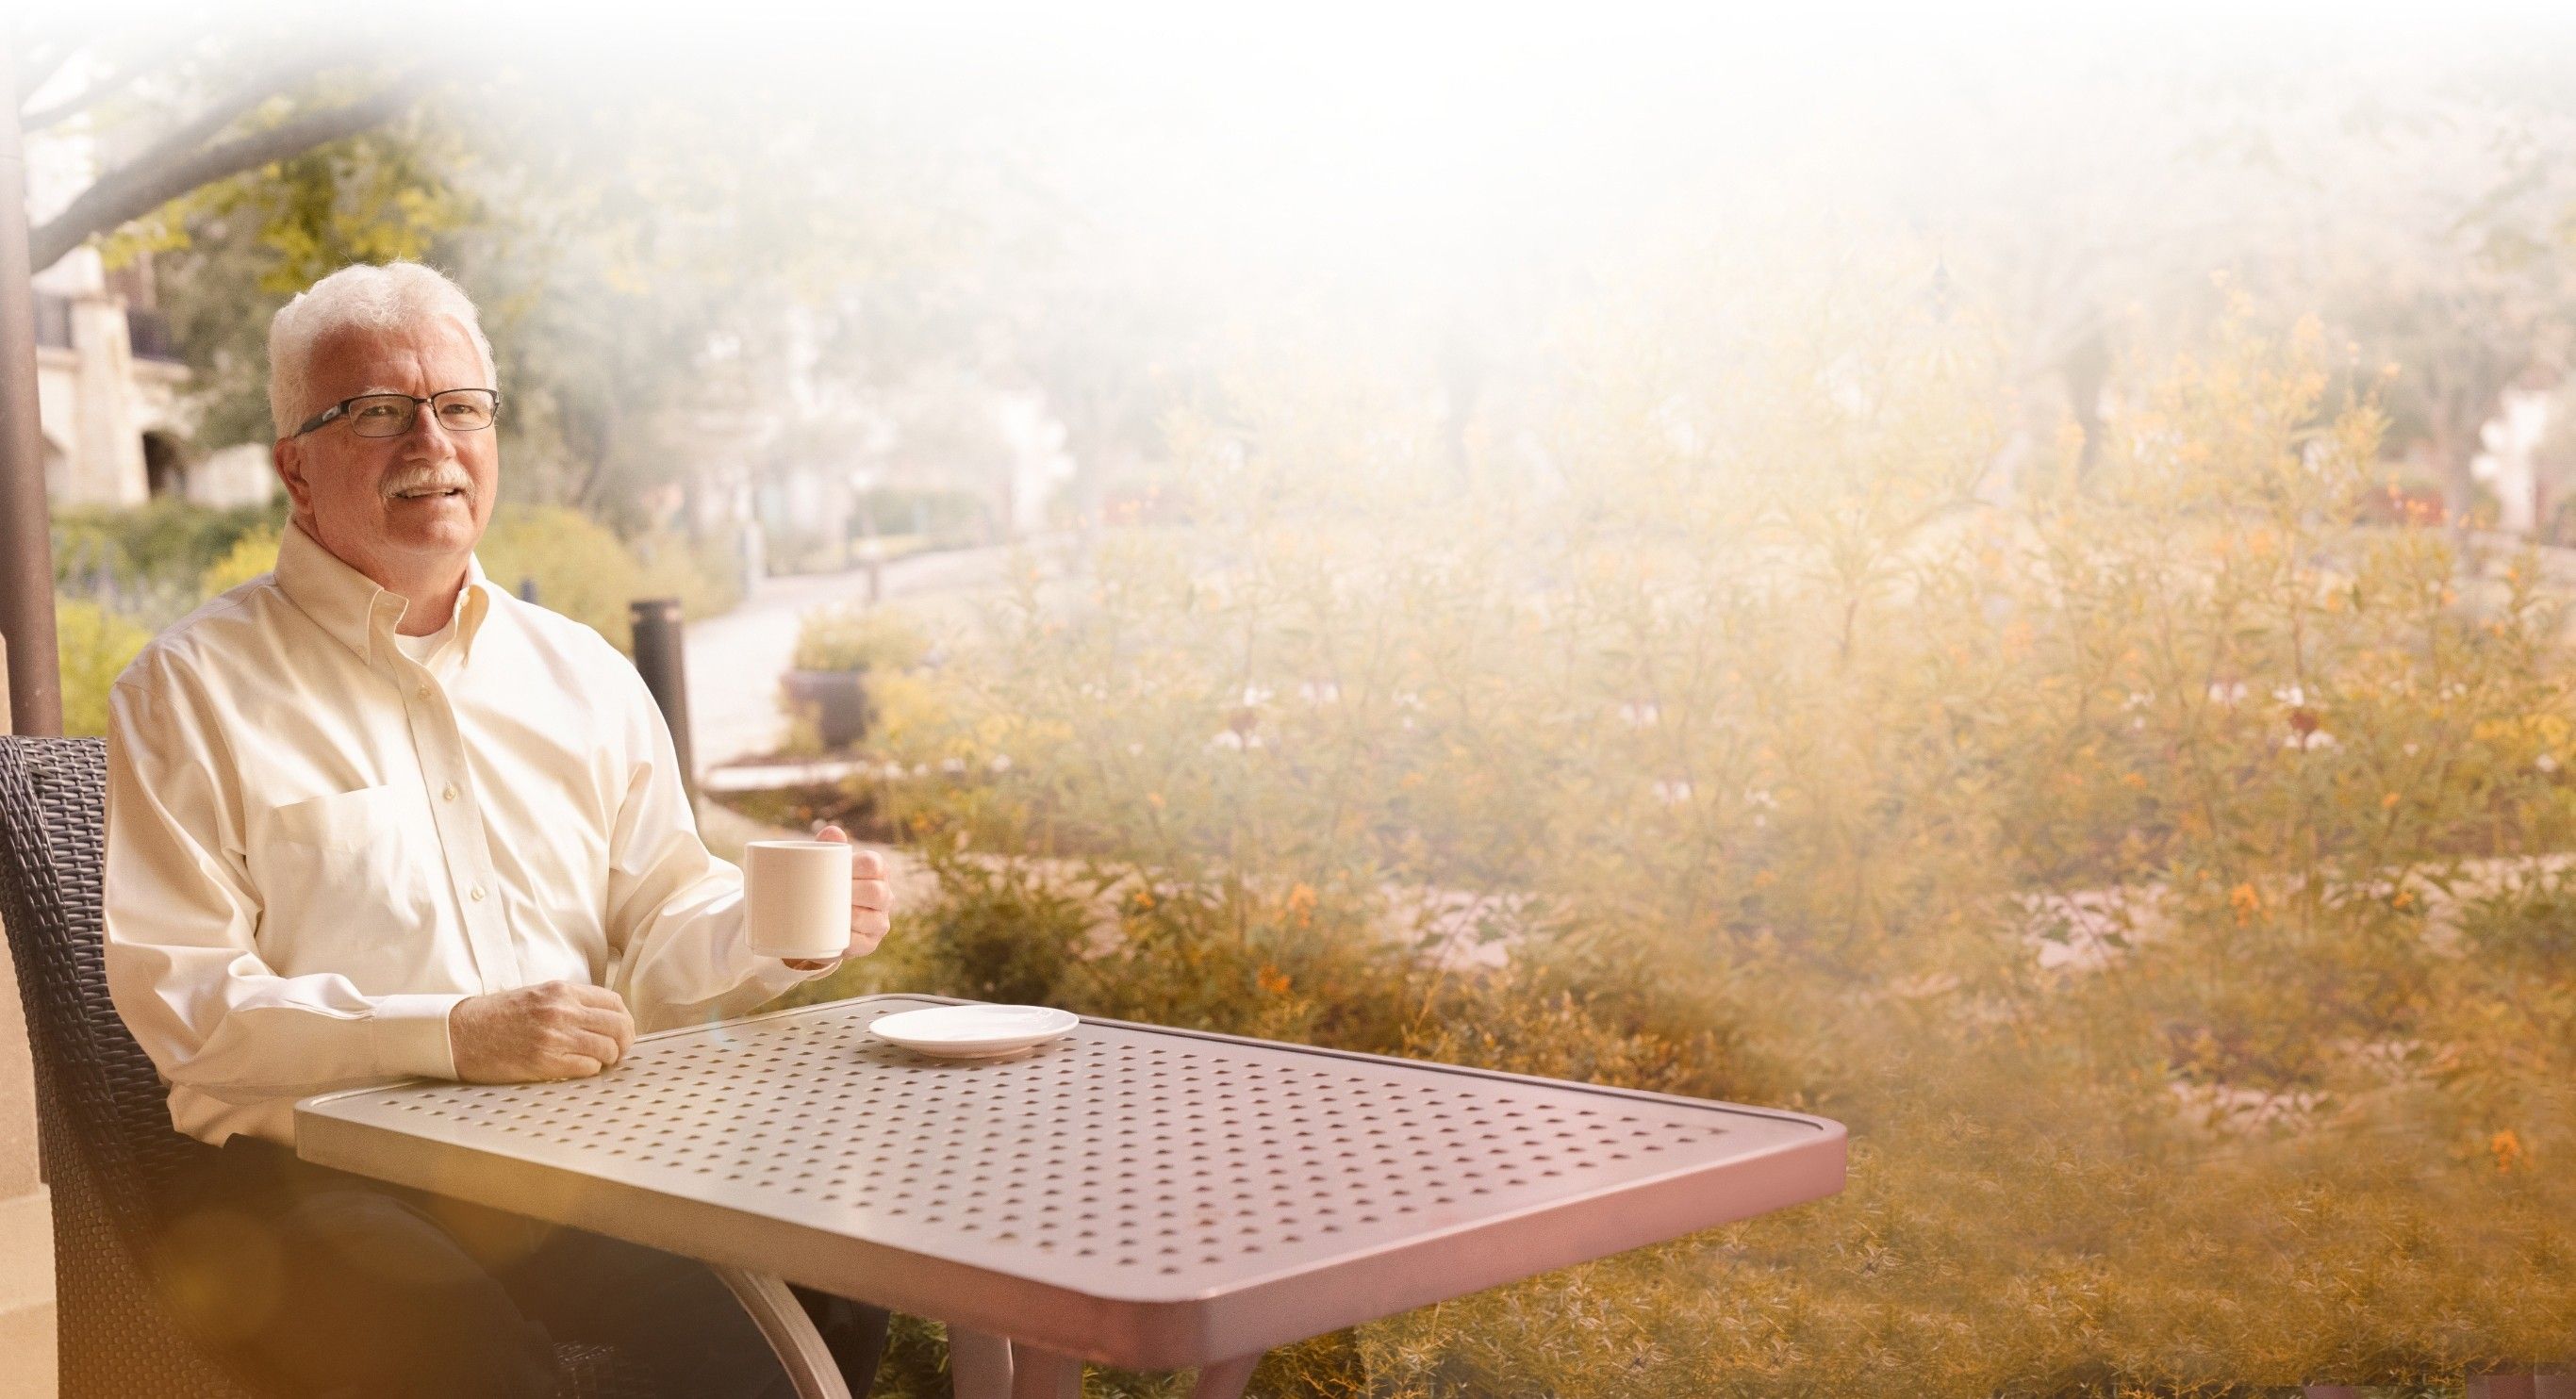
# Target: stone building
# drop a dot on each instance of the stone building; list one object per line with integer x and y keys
{"x": 108, "y": 387}
{"x": 111, "y": 393}
{"x": 112, "y": 397}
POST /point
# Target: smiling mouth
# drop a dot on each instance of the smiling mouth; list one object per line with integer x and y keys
{"x": 430, "y": 493}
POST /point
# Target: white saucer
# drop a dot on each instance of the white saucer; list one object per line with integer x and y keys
{"x": 974, "y": 1031}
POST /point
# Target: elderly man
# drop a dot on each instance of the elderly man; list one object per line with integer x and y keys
{"x": 370, "y": 816}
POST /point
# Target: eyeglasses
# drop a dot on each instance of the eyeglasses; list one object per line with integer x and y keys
{"x": 392, "y": 414}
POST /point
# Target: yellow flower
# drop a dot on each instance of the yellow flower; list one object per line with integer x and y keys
{"x": 2245, "y": 901}
{"x": 2506, "y": 1148}
{"x": 1273, "y": 981}
{"x": 2388, "y": 801}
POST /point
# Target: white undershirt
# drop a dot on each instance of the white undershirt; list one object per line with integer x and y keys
{"x": 421, "y": 648}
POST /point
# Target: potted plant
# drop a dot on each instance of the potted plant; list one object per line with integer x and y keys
{"x": 836, "y": 648}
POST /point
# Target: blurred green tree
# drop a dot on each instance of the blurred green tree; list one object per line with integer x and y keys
{"x": 200, "y": 101}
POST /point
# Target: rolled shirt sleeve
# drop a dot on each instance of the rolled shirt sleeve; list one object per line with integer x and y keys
{"x": 675, "y": 911}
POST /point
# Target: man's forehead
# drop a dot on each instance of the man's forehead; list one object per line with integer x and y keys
{"x": 366, "y": 359}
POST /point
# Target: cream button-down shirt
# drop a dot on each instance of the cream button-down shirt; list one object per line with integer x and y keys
{"x": 317, "y": 846}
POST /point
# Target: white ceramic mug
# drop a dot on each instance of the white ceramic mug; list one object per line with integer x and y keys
{"x": 796, "y": 897}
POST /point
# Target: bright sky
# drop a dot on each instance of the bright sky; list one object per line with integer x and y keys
{"x": 1404, "y": 141}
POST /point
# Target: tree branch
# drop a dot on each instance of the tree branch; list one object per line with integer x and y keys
{"x": 150, "y": 181}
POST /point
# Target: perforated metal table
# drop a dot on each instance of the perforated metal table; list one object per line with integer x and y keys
{"x": 1137, "y": 1196}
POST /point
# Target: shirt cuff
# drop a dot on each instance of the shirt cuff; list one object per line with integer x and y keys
{"x": 411, "y": 1035}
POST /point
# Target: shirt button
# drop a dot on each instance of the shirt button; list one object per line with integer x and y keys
{"x": 448, "y": 793}
{"x": 422, "y": 692}
{"x": 478, "y": 893}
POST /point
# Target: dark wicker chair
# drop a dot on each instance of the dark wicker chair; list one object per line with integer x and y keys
{"x": 102, "y": 1119}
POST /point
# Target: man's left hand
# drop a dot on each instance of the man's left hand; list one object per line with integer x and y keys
{"x": 871, "y": 905}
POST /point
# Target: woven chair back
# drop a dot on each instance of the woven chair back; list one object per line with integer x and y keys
{"x": 102, "y": 1116}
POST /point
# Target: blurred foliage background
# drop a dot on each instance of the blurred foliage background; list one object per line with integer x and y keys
{"x": 2153, "y": 871}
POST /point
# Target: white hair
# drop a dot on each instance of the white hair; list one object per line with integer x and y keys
{"x": 383, "y": 297}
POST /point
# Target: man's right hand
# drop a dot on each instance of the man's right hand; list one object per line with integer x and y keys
{"x": 558, "y": 1029}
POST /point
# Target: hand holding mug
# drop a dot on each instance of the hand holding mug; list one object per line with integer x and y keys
{"x": 813, "y": 903}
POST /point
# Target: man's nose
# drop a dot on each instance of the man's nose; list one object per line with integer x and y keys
{"x": 427, "y": 436}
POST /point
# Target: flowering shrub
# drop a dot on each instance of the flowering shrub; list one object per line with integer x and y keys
{"x": 146, "y": 560}
{"x": 584, "y": 571}
{"x": 93, "y": 646}
{"x": 2149, "y": 854}
{"x": 857, "y": 638}
{"x": 250, "y": 556}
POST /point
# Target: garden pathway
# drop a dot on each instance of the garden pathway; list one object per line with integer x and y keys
{"x": 734, "y": 661}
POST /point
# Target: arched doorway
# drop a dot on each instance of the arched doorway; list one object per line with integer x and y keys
{"x": 165, "y": 472}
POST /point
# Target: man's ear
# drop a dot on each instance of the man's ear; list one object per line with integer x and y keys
{"x": 288, "y": 456}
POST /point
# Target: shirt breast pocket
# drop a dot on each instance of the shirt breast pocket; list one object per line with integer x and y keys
{"x": 346, "y": 821}
{"x": 350, "y": 881}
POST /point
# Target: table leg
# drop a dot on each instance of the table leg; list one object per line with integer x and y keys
{"x": 790, "y": 1332}
{"x": 1224, "y": 1380}
{"x": 979, "y": 1364}
{"x": 1043, "y": 1374}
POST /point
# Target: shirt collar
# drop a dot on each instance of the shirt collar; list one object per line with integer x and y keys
{"x": 354, "y": 608}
